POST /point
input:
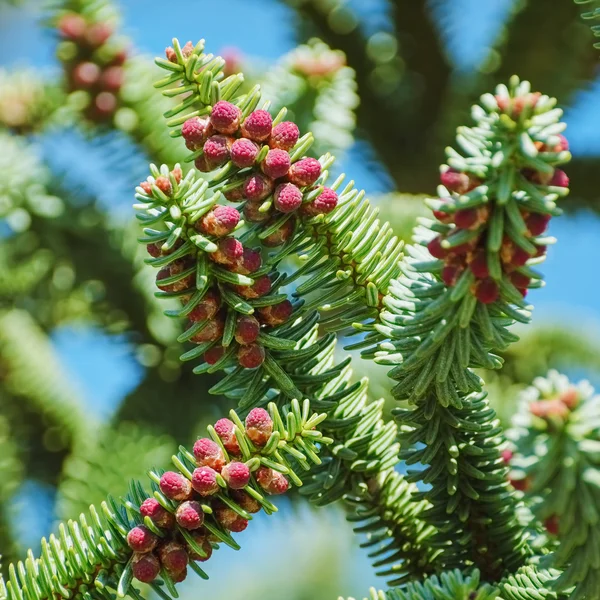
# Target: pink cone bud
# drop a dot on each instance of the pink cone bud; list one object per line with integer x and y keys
{"x": 145, "y": 567}
{"x": 247, "y": 329}
{"x": 163, "y": 274}
{"x": 271, "y": 481}
{"x": 257, "y": 125}
{"x": 276, "y": 163}
{"x": 86, "y": 74}
{"x": 537, "y": 223}
{"x": 259, "y": 426}
{"x": 251, "y": 356}
{"x": 98, "y": 34}
{"x": 189, "y": 514}
{"x": 435, "y": 248}
{"x": 243, "y": 153}
{"x": 204, "y": 481}
{"x": 214, "y": 354}
{"x": 479, "y": 265}
{"x": 460, "y": 183}
{"x": 288, "y": 198}
{"x": 72, "y": 26}
{"x": 257, "y": 187}
{"x": 225, "y": 117}
{"x": 519, "y": 280}
{"x": 323, "y": 204}
{"x": 147, "y": 187}
{"x": 284, "y": 136}
{"x": 451, "y": 273}
{"x": 141, "y": 539}
{"x": 251, "y": 261}
{"x": 152, "y": 508}
{"x": 173, "y": 557}
{"x": 229, "y": 252}
{"x": 229, "y": 519}
{"x": 559, "y": 179}
{"x": 164, "y": 185}
{"x": 235, "y": 195}
{"x": 224, "y": 428}
{"x": 220, "y": 221}
{"x": 207, "y": 308}
{"x": 195, "y": 132}
{"x": 236, "y": 474}
{"x": 305, "y": 172}
{"x": 216, "y": 150}
{"x": 276, "y": 314}
{"x": 570, "y": 398}
{"x": 112, "y": 78}
{"x": 208, "y": 454}
{"x": 177, "y": 267}
{"x": 261, "y": 287}
{"x": 486, "y": 291}
{"x": 175, "y": 486}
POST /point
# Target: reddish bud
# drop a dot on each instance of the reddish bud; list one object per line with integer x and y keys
{"x": 479, "y": 265}
{"x": 259, "y": 426}
{"x": 507, "y": 455}
{"x": 284, "y": 136}
{"x": 305, "y": 172}
{"x": 271, "y": 481}
{"x": 465, "y": 218}
{"x": 145, "y": 567}
{"x": 153, "y": 250}
{"x": 112, "y": 78}
{"x": 225, "y": 117}
{"x": 220, "y": 221}
{"x": 451, "y": 273}
{"x": 189, "y": 514}
{"x": 177, "y": 174}
{"x": 552, "y": 525}
{"x": 243, "y": 153}
{"x": 257, "y": 187}
{"x": 173, "y": 557}
{"x": 225, "y": 429}
{"x": 251, "y": 261}
{"x": 147, "y": 187}
{"x": 323, "y": 204}
{"x": 208, "y": 454}
{"x": 276, "y": 314}
{"x": 216, "y": 151}
{"x": 178, "y": 267}
{"x": 141, "y": 539}
{"x": 201, "y": 539}
{"x": 570, "y": 398}
{"x": 279, "y": 236}
{"x": 512, "y": 254}
{"x": 562, "y": 145}
{"x": 207, "y": 308}
{"x": 288, "y": 198}
{"x": 537, "y": 223}
{"x": 163, "y": 274}
{"x": 214, "y": 355}
{"x": 276, "y": 163}
{"x": 245, "y": 501}
{"x": 195, "y": 132}
{"x": 460, "y": 183}
{"x": 175, "y": 486}
{"x": 204, "y": 481}
{"x": 548, "y": 409}
{"x": 251, "y": 356}
{"x": 179, "y": 577}
{"x": 229, "y": 519}
{"x": 253, "y": 214}
{"x": 520, "y": 484}
{"x": 519, "y": 280}
{"x": 105, "y": 103}
{"x": 236, "y": 474}
{"x": 257, "y": 125}
{"x": 559, "y": 179}
{"x": 247, "y": 330}
{"x": 152, "y": 508}
{"x": 541, "y": 250}
{"x": 486, "y": 291}
{"x": 229, "y": 252}
{"x": 72, "y": 26}
{"x": 259, "y": 288}
{"x": 98, "y": 33}
{"x": 164, "y": 185}
{"x": 435, "y": 248}
{"x": 211, "y": 332}
{"x": 86, "y": 74}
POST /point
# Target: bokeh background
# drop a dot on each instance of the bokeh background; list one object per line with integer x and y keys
{"x": 91, "y": 391}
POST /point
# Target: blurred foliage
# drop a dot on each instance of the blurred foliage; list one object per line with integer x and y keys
{"x": 66, "y": 256}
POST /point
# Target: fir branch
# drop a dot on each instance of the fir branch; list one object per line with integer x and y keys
{"x": 556, "y": 436}
{"x": 180, "y": 519}
{"x": 592, "y": 13}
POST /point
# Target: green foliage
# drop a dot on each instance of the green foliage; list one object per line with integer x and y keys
{"x": 592, "y": 12}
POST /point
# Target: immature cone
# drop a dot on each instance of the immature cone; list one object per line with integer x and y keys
{"x": 224, "y": 428}
{"x": 86, "y": 74}
{"x": 225, "y": 117}
{"x": 251, "y": 356}
{"x": 276, "y": 314}
{"x": 207, "y": 308}
{"x": 250, "y": 262}
{"x": 211, "y": 332}
{"x": 216, "y": 151}
{"x": 236, "y": 474}
{"x": 204, "y": 481}
{"x": 287, "y": 198}
{"x": 247, "y": 330}
{"x": 229, "y": 519}
{"x": 208, "y": 454}
{"x": 305, "y": 172}
{"x": 229, "y": 252}
{"x": 257, "y": 125}
{"x": 141, "y": 539}
{"x": 323, "y": 204}
{"x": 271, "y": 481}
{"x": 220, "y": 221}
{"x": 195, "y": 131}
{"x": 536, "y": 223}
{"x": 257, "y": 187}
{"x": 201, "y": 539}
{"x": 276, "y": 163}
{"x": 175, "y": 486}
{"x": 214, "y": 354}
{"x": 253, "y": 214}
{"x": 72, "y": 26}
{"x": 177, "y": 267}
{"x": 259, "y": 288}
{"x": 284, "y": 136}
{"x": 259, "y": 426}
{"x": 455, "y": 181}
{"x": 173, "y": 557}
{"x": 145, "y": 567}
{"x": 189, "y": 515}
{"x": 246, "y": 501}
{"x": 486, "y": 291}
{"x": 243, "y": 153}
{"x": 152, "y": 508}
